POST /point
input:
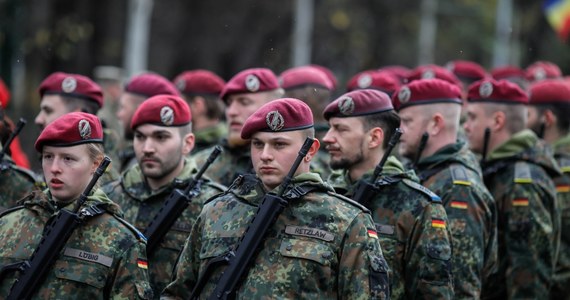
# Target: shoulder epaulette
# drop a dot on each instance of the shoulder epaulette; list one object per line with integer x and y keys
{"x": 459, "y": 175}
{"x": 564, "y": 163}
{"x": 349, "y": 201}
{"x": 11, "y": 209}
{"x": 216, "y": 185}
{"x": 522, "y": 172}
{"x": 418, "y": 187}
{"x": 130, "y": 226}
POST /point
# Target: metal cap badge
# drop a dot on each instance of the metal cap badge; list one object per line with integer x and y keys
{"x": 274, "y": 120}
{"x": 167, "y": 115}
{"x": 84, "y": 129}
{"x": 69, "y": 84}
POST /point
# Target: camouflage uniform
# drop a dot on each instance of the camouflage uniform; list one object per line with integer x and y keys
{"x": 322, "y": 246}
{"x": 126, "y": 156}
{"x": 516, "y": 173}
{"x": 15, "y": 183}
{"x": 231, "y": 163}
{"x": 453, "y": 173}
{"x": 210, "y": 136}
{"x": 561, "y": 286}
{"x": 110, "y": 145}
{"x": 104, "y": 258}
{"x": 418, "y": 252}
{"x": 140, "y": 205}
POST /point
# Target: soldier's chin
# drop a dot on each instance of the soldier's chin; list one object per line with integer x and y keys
{"x": 236, "y": 141}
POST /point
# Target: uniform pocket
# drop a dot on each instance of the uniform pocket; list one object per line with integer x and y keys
{"x": 91, "y": 274}
{"x": 435, "y": 268}
{"x": 307, "y": 250}
{"x": 379, "y": 282}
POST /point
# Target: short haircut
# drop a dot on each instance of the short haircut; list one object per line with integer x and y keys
{"x": 387, "y": 120}
{"x": 214, "y": 105}
{"x": 186, "y": 129}
{"x": 515, "y": 115}
{"x": 83, "y": 105}
{"x": 561, "y": 111}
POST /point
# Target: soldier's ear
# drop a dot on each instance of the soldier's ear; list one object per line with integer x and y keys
{"x": 376, "y": 137}
{"x": 549, "y": 118}
{"x": 498, "y": 121}
{"x": 188, "y": 143}
{"x": 313, "y": 150}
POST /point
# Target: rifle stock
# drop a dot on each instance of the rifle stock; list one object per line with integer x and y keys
{"x": 56, "y": 234}
{"x": 486, "y": 138}
{"x": 174, "y": 206}
{"x": 240, "y": 259}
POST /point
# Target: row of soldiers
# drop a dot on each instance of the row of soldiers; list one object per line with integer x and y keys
{"x": 478, "y": 213}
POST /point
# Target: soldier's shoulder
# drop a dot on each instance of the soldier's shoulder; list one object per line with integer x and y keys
{"x": 22, "y": 173}
{"x": 347, "y": 201}
{"x": 112, "y": 187}
{"x": 525, "y": 172}
{"x": 128, "y": 228}
{"x": 215, "y": 186}
{"x": 421, "y": 190}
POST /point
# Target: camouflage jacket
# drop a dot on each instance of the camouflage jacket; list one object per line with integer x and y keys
{"x": 517, "y": 174}
{"x": 104, "y": 258}
{"x": 126, "y": 156}
{"x": 15, "y": 183}
{"x": 561, "y": 288}
{"x": 412, "y": 227}
{"x": 209, "y": 137}
{"x": 231, "y": 163}
{"x": 322, "y": 246}
{"x": 453, "y": 173}
{"x": 320, "y": 164}
{"x": 111, "y": 146}
{"x": 140, "y": 205}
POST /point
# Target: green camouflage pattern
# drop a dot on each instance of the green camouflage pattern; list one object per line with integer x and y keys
{"x": 126, "y": 156}
{"x": 418, "y": 253}
{"x": 322, "y": 246}
{"x": 209, "y": 137}
{"x": 111, "y": 146}
{"x": 561, "y": 284}
{"x": 231, "y": 163}
{"x": 15, "y": 183}
{"x": 320, "y": 164}
{"x": 107, "y": 251}
{"x": 517, "y": 174}
{"x": 453, "y": 173}
{"x": 140, "y": 205}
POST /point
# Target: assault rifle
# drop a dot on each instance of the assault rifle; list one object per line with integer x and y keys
{"x": 423, "y": 143}
{"x": 56, "y": 234}
{"x": 364, "y": 191}
{"x": 238, "y": 261}
{"x": 174, "y": 205}
{"x": 486, "y": 138}
{"x": 6, "y": 147}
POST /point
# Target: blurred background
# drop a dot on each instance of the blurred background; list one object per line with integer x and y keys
{"x": 38, "y": 37}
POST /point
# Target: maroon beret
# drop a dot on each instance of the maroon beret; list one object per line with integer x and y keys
{"x": 329, "y": 73}
{"x": 542, "y": 70}
{"x": 304, "y": 76}
{"x": 71, "y": 129}
{"x": 162, "y": 110}
{"x": 250, "y": 81}
{"x": 549, "y": 91}
{"x": 467, "y": 69}
{"x": 400, "y": 72}
{"x": 358, "y": 103}
{"x": 150, "y": 84}
{"x": 73, "y": 85}
{"x": 502, "y": 91}
{"x": 197, "y": 82}
{"x": 374, "y": 79}
{"x": 426, "y": 91}
{"x": 506, "y": 72}
{"x": 285, "y": 114}
{"x": 433, "y": 71}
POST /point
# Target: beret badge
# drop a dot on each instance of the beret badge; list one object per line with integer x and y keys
{"x": 404, "y": 94}
{"x": 364, "y": 81}
{"x": 539, "y": 74}
{"x": 274, "y": 120}
{"x": 428, "y": 74}
{"x": 346, "y": 106}
{"x": 84, "y": 129}
{"x": 167, "y": 115}
{"x": 181, "y": 84}
{"x": 69, "y": 84}
{"x": 252, "y": 83}
{"x": 486, "y": 89}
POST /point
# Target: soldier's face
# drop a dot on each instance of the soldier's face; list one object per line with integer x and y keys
{"x": 413, "y": 125}
{"x": 273, "y": 154}
{"x": 475, "y": 124}
{"x": 128, "y": 104}
{"x": 534, "y": 119}
{"x": 345, "y": 142}
{"x": 67, "y": 171}
{"x": 160, "y": 151}
{"x": 51, "y": 108}
{"x": 239, "y": 108}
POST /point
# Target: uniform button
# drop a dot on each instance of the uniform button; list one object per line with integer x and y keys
{"x": 62, "y": 270}
{"x": 326, "y": 255}
{"x": 289, "y": 247}
{"x": 100, "y": 278}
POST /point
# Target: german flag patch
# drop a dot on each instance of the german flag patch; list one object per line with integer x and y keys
{"x": 372, "y": 233}
{"x": 520, "y": 202}
{"x": 563, "y": 188}
{"x": 438, "y": 223}
{"x": 142, "y": 263}
{"x": 459, "y": 204}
